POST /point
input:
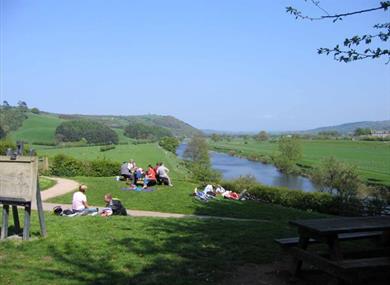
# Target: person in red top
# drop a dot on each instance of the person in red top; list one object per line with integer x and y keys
{"x": 150, "y": 178}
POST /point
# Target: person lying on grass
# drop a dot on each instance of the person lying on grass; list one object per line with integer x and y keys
{"x": 79, "y": 202}
{"x": 113, "y": 207}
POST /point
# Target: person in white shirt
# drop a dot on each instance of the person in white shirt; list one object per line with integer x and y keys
{"x": 79, "y": 202}
{"x": 162, "y": 173}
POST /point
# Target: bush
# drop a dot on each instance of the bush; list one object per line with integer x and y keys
{"x": 311, "y": 201}
{"x": 91, "y": 131}
{"x": 203, "y": 173}
{"x": 6, "y": 144}
{"x": 169, "y": 143}
{"x": 66, "y": 166}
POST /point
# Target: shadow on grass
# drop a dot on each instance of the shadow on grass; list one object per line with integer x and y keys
{"x": 165, "y": 251}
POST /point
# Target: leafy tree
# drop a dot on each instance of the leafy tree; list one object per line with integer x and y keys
{"x": 262, "y": 136}
{"x": 199, "y": 161}
{"x": 92, "y": 131}
{"x": 35, "y": 111}
{"x": 22, "y": 105}
{"x": 137, "y": 130}
{"x": 11, "y": 118}
{"x": 337, "y": 178}
{"x": 6, "y": 105}
{"x": 362, "y": 132}
{"x": 290, "y": 152}
{"x": 348, "y": 51}
{"x": 2, "y": 133}
{"x": 169, "y": 143}
{"x": 215, "y": 137}
{"x": 197, "y": 150}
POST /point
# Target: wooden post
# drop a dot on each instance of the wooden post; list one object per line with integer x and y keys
{"x": 16, "y": 218}
{"x": 4, "y": 227}
{"x": 27, "y": 218}
{"x": 41, "y": 214}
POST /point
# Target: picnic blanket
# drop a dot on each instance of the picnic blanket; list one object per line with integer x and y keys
{"x": 138, "y": 189}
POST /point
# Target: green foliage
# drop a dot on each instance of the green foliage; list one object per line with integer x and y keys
{"x": 11, "y": 118}
{"x": 310, "y": 201}
{"x": 93, "y": 132}
{"x": 350, "y": 50}
{"x": 262, "y": 136}
{"x": 7, "y": 143}
{"x": 62, "y": 165}
{"x": 169, "y": 143}
{"x": 197, "y": 150}
{"x": 147, "y": 132}
{"x": 35, "y": 111}
{"x": 337, "y": 178}
{"x": 216, "y": 137}
{"x": 203, "y": 173}
{"x": 290, "y": 152}
{"x": 107, "y": 147}
{"x": 362, "y": 132}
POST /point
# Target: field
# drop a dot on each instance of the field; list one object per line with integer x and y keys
{"x": 123, "y": 250}
{"x": 371, "y": 158}
{"x": 37, "y": 129}
{"x": 143, "y": 154}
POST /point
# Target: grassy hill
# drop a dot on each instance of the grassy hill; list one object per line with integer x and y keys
{"x": 40, "y": 128}
{"x": 176, "y": 126}
{"x": 37, "y": 129}
{"x": 350, "y": 127}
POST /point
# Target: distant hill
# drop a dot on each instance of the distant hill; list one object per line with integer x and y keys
{"x": 176, "y": 126}
{"x": 40, "y": 128}
{"x": 350, "y": 127}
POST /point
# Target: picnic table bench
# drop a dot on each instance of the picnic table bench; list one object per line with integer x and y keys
{"x": 341, "y": 265}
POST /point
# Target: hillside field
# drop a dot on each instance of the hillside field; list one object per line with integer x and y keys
{"x": 371, "y": 158}
{"x": 37, "y": 129}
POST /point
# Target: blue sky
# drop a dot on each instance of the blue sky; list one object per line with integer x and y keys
{"x": 217, "y": 64}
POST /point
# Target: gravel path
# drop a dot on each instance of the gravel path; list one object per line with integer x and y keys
{"x": 64, "y": 186}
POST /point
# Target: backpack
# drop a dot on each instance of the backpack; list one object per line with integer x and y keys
{"x": 117, "y": 208}
{"x": 57, "y": 210}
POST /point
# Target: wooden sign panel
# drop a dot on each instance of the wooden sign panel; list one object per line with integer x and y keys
{"x": 18, "y": 178}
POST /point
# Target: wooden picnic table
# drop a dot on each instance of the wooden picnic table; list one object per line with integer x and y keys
{"x": 331, "y": 231}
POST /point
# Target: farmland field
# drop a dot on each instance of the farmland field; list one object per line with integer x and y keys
{"x": 37, "y": 129}
{"x": 371, "y": 158}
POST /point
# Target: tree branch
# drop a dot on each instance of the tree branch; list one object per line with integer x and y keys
{"x": 383, "y": 6}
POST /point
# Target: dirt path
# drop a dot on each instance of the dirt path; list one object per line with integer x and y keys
{"x": 65, "y": 186}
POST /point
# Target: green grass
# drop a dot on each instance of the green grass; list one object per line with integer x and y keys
{"x": 175, "y": 199}
{"x": 371, "y": 158}
{"x": 143, "y": 154}
{"x": 46, "y": 183}
{"x": 124, "y": 250}
{"x": 37, "y": 128}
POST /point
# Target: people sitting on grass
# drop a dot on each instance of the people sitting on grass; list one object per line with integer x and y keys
{"x": 113, "y": 207}
{"x": 163, "y": 176}
{"x": 125, "y": 172}
{"x": 150, "y": 177}
{"x": 79, "y": 202}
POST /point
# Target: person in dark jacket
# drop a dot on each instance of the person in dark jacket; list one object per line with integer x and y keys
{"x": 115, "y": 205}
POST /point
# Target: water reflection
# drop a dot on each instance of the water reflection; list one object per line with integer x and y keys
{"x": 233, "y": 167}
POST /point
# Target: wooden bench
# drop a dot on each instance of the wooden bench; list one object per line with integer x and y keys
{"x": 294, "y": 241}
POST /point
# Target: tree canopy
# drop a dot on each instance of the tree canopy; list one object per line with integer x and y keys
{"x": 92, "y": 131}
{"x": 356, "y": 47}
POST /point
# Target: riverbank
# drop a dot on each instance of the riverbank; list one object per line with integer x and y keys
{"x": 371, "y": 158}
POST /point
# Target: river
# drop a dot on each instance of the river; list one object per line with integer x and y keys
{"x": 233, "y": 167}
